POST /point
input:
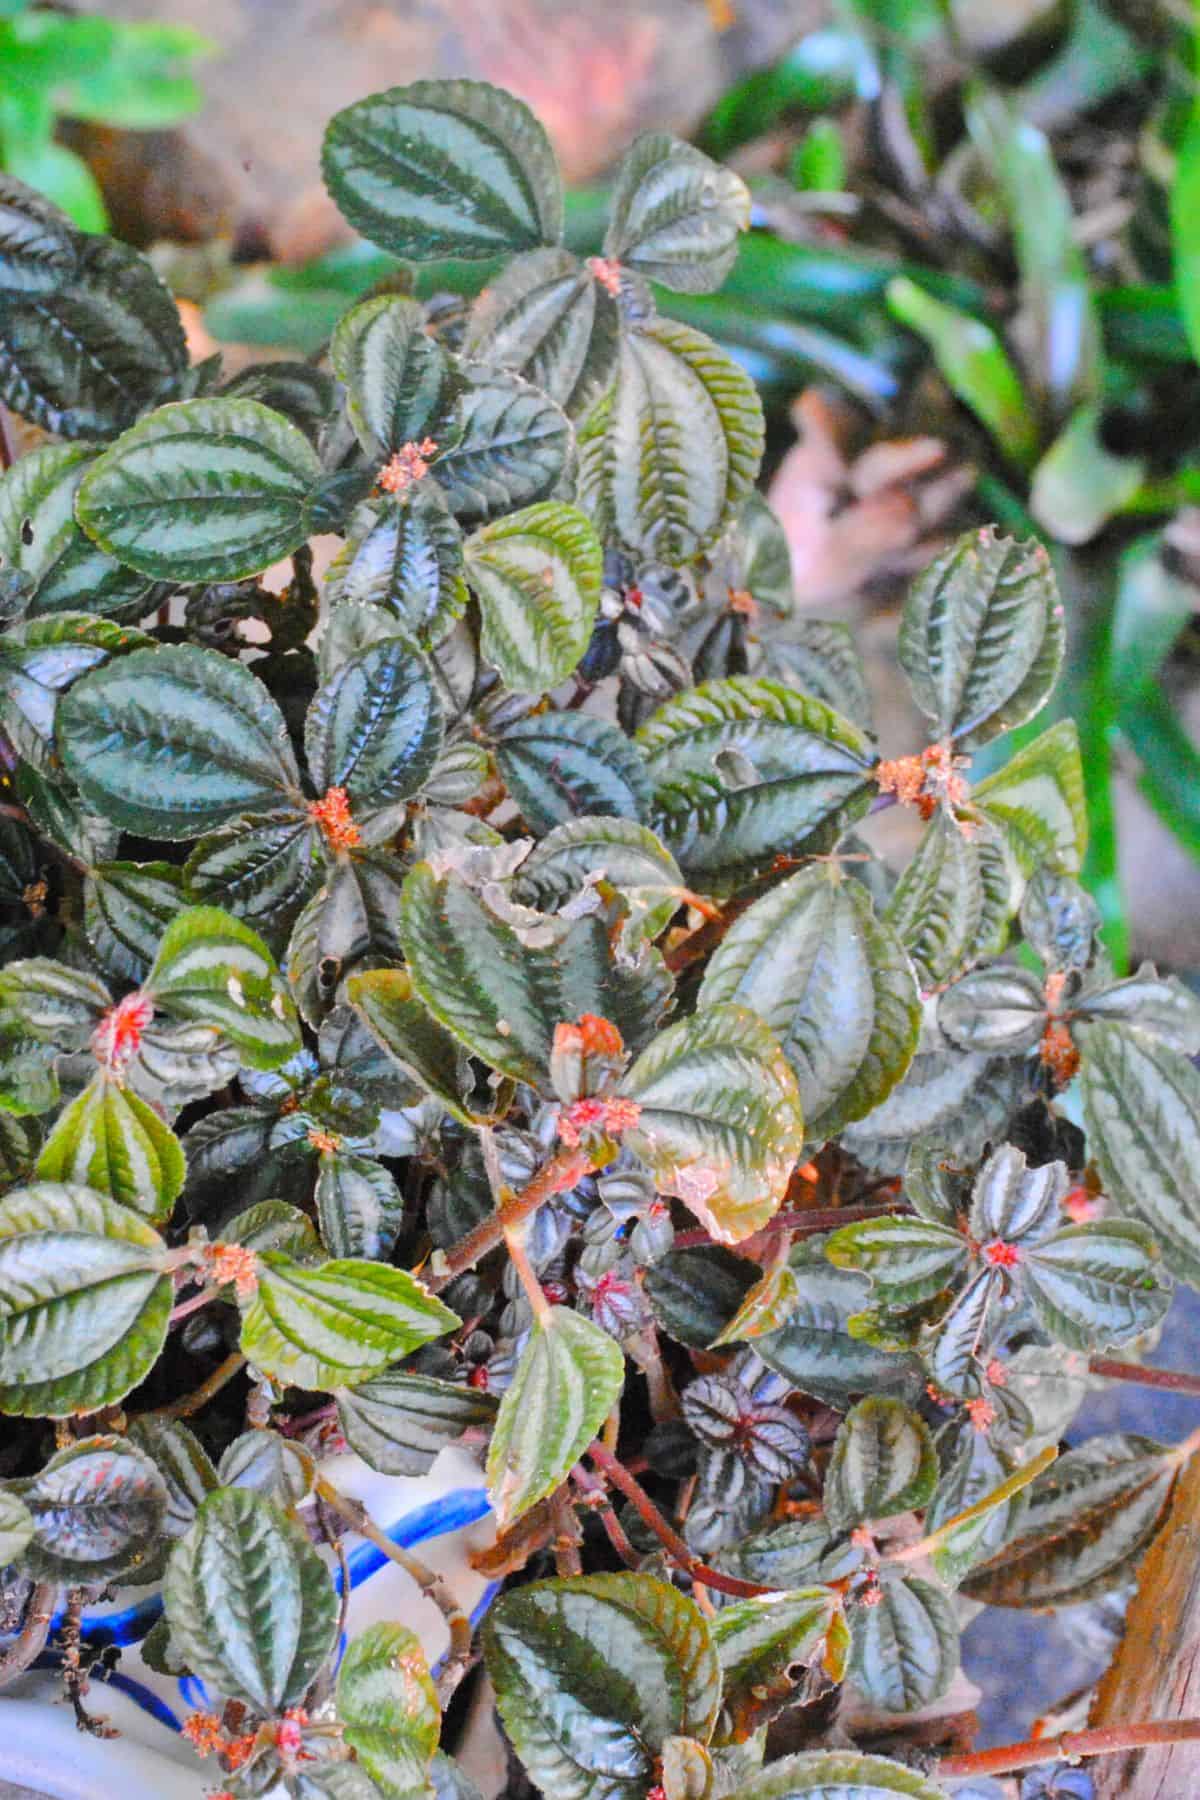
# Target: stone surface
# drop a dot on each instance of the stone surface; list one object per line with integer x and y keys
{"x": 248, "y": 164}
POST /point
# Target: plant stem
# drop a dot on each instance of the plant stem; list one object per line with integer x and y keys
{"x": 666, "y": 1534}
{"x": 1104, "y": 1741}
{"x": 596, "y": 1495}
{"x": 431, "y": 1584}
{"x": 1174, "y": 1381}
{"x": 186, "y": 1308}
{"x": 555, "y": 1177}
{"x": 31, "y": 1641}
{"x": 514, "y": 1235}
{"x": 212, "y": 1384}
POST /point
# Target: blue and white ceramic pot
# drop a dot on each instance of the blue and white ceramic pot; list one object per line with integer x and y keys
{"x": 441, "y": 1516}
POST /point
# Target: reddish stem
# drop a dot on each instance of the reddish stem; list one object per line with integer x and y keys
{"x": 555, "y": 1177}
{"x": 1103, "y": 1741}
{"x": 668, "y": 1537}
{"x": 1174, "y": 1381}
{"x": 186, "y": 1308}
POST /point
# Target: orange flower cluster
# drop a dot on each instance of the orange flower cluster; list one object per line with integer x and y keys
{"x": 928, "y": 780}
{"x": 233, "y": 1263}
{"x": 326, "y": 1142}
{"x": 1001, "y": 1255}
{"x": 607, "y": 272}
{"x": 407, "y": 465}
{"x": 332, "y": 814}
{"x": 586, "y": 1118}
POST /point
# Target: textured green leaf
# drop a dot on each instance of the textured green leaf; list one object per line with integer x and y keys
{"x": 816, "y": 1351}
{"x": 444, "y": 168}
{"x": 260, "y": 870}
{"x": 835, "y": 987}
{"x": 838, "y": 1775}
{"x": 175, "y": 742}
{"x": 127, "y": 907}
{"x": 110, "y": 1140}
{"x": 396, "y": 1019}
{"x": 764, "y": 1644}
{"x": 334, "y": 1326}
{"x": 594, "y": 1675}
{"x": 883, "y": 1462}
{"x": 213, "y": 969}
{"x": 83, "y": 1300}
{"x": 953, "y": 1359}
{"x": 407, "y": 557}
{"x": 687, "y": 1769}
{"x": 1095, "y": 1285}
{"x": 1014, "y": 1202}
{"x": 981, "y": 639}
{"x": 97, "y": 1506}
{"x": 561, "y": 766}
{"x": 1160, "y": 1006}
{"x": 937, "y": 906}
{"x": 668, "y": 459}
{"x": 1090, "y": 1517}
{"x": 399, "y": 1422}
{"x": 696, "y": 1293}
{"x": 251, "y": 1606}
{"x": 978, "y": 1504}
{"x": 400, "y": 387}
{"x": 503, "y": 998}
{"x": 203, "y": 490}
{"x": 1141, "y": 1109}
{"x": 906, "y": 1648}
{"x": 39, "y": 537}
{"x": 359, "y": 1206}
{"x": 767, "y": 1307}
{"x": 86, "y": 359}
{"x": 16, "y": 1526}
{"x": 514, "y": 447}
{"x": 745, "y": 770}
{"x": 268, "y": 1464}
{"x": 1038, "y": 802}
{"x": 675, "y": 215}
{"x": 568, "y": 1380}
{"x": 39, "y": 659}
{"x": 49, "y": 1000}
{"x": 965, "y": 1098}
{"x": 38, "y": 245}
{"x": 547, "y": 318}
{"x": 537, "y": 577}
{"x": 908, "y": 1260}
{"x": 351, "y": 920}
{"x": 389, "y": 1707}
{"x": 375, "y": 728}
{"x": 720, "y": 1122}
{"x": 1000, "y": 1010}
{"x": 820, "y": 657}
{"x": 617, "y": 851}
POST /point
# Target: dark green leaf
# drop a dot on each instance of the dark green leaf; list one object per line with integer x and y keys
{"x": 214, "y": 970}
{"x": 251, "y": 1606}
{"x": 127, "y": 907}
{"x": 1090, "y": 1517}
{"x": 547, "y": 318}
{"x": 883, "y": 1462}
{"x": 1000, "y": 1010}
{"x": 908, "y": 1260}
{"x": 174, "y": 742}
{"x": 537, "y": 576}
{"x": 204, "y": 490}
{"x": 568, "y": 1380}
{"x": 906, "y": 1648}
{"x": 1037, "y": 800}
{"x": 389, "y": 1707}
{"x": 764, "y": 1646}
{"x": 838, "y": 1775}
{"x": 444, "y": 168}
{"x": 1095, "y": 1285}
{"x": 110, "y": 1140}
{"x": 1141, "y": 1108}
{"x": 84, "y": 1301}
{"x": 675, "y": 215}
{"x": 746, "y": 770}
{"x": 937, "y": 907}
{"x": 396, "y": 1019}
{"x": 334, "y": 1326}
{"x": 720, "y": 1123}
{"x": 593, "y": 1675}
{"x": 514, "y": 448}
{"x": 981, "y": 638}
{"x": 561, "y": 766}
{"x": 359, "y": 1206}
{"x": 38, "y": 245}
{"x": 399, "y": 1422}
{"x": 375, "y": 728}
{"x": 833, "y": 984}
{"x": 40, "y": 538}
{"x": 399, "y": 384}
{"x": 816, "y": 1352}
{"x": 407, "y": 557}
{"x": 667, "y": 460}
{"x": 618, "y": 851}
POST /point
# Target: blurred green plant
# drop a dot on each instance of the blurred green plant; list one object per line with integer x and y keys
{"x": 101, "y": 71}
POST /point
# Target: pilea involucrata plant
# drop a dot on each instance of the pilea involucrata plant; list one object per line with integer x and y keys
{"x": 457, "y": 999}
